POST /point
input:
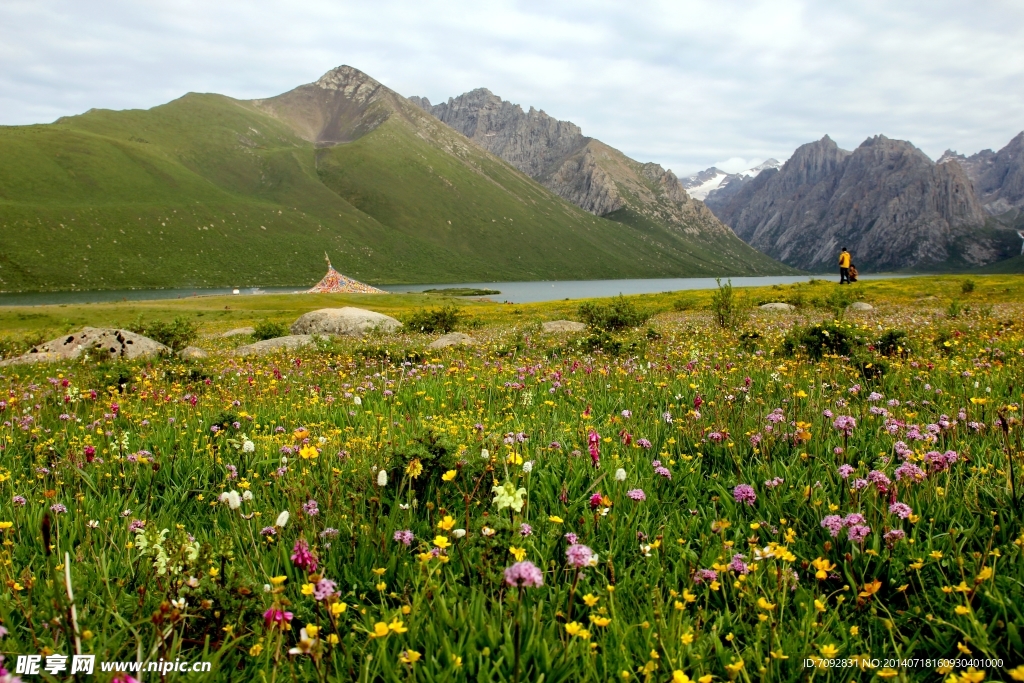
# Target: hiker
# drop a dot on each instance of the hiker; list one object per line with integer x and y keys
{"x": 844, "y": 267}
{"x": 853, "y": 273}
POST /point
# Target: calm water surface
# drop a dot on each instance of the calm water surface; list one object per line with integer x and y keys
{"x": 513, "y": 292}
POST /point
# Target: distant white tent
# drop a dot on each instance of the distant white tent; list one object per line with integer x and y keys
{"x": 336, "y": 283}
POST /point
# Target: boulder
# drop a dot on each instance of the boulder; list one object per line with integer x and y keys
{"x": 452, "y": 339}
{"x": 238, "y": 331}
{"x": 777, "y": 306}
{"x": 98, "y": 342}
{"x": 267, "y": 346}
{"x": 556, "y": 326}
{"x": 348, "y": 321}
{"x": 192, "y": 353}
{"x": 860, "y": 306}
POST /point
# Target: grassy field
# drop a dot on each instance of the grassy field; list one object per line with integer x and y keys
{"x": 209, "y": 191}
{"x": 672, "y": 501}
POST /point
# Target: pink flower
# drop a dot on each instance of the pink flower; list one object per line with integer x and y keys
{"x": 524, "y": 574}
{"x": 744, "y": 493}
{"x": 276, "y": 617}
{"x": 593, "y": 441}
{"x": 595, "y": 501}
{"x": 580, "y": 556}
{"x": 637, "y": 494}
{"x": 302, "y": 557}
{"x": 324, "y": 589}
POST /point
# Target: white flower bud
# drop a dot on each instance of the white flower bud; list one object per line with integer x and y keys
{"x": 459, "y": 533}
{"x": 282, "y": 519}
{"x": 358, "y": 401}
{"x": 528, "y": 466}
{"x": 382, "y": 478}
{"x": 620, "y": 474}
{"x": 234, "y": 500}
{"x": 485, "y": 454}
{"x": 247, "y": 495}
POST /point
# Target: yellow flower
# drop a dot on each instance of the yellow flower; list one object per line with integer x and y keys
{"x": 706, "y": 678}
{"x": 380, "y": 630}
{"x": 679, "y": 677}
{"x": 823, "y": 567}
{"x": 854, "y": 630}
{"x": 591, "y": 600}
{"x": 972, "y": 676}
{"x": 777, "y": 654}
{"x": 600, "y": 621}
{"x": 765, "y": 605}
{"x": 379, "y": 571}
{"x": 456, "y": 661}
{"x": 936, "y": 554}
{"x": 4, "y": 526}
{"x": 397, "y": 625}
{"x": 573, "y": 627}
{"x": 312, "y": 630}
{"x": 338, "y": 608}
{"x": 449, "y": 475}
{"x": 734, "y": 668}
{"x": 687, "y": 638}
{"x": 278, "y": 580}
{"x": 255, "y": 650}
{"x": 819, "y": 605}
{"x": 441, "y": 542}
{"x": 962, "y": 610}
{"x": 917, "y": 564}
{"x": 555, "y": 519}
{"x": 308, "y": 452}
{"x": 887, "y": 673}
{"x": 688, "y": 596}
{"x": 415, "y": 468}
{"x": 409, "y": 657}
{"x": 828, "y": 651}
{"x": 333, "y": 639}
{"x": 984, "y": 575}
{"x": 1018, "y": 673}
{"x": 307, "y": 589}
{"x": 963, "y": 648}
{"x": 870, "y": 589}
{"x": 518, "y": 553}
{"x": 382, "y": 586}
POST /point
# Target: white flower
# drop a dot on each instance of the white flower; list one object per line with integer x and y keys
{"x": 267, "y": 588}
{"x": 358, "y": 401}
{"x": 620, "y": 474}
{"x": 282, "y": 519}
{"x": 528, "y": 466}
{"x": 247, "y": 495}
{"x": 179, "y": 603}
{"x": 382, "y": 478}
{"x": 248, "y": 446}
{"x": 487, "y": 531}
{"x": 485, "y": 454}
{"x": 93, "y": 524}
{"x": 234, "y": 500}
{"x": 459, "y": 533}
{"x": 284, "y": 459}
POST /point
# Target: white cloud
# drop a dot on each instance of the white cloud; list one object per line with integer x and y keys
{"x": 683, "y": 83}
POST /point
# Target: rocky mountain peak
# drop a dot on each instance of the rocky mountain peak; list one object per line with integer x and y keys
{"x": 997, "y": 177}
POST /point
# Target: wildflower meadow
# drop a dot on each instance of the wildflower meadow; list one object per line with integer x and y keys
{"x": 797, "y": 496}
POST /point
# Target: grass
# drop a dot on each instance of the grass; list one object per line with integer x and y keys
{"x": 642, "y": 457}
{"x": 208, "y": 191}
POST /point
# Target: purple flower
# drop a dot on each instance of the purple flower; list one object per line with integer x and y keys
{"x": 901, "y": 510}
{"x": 571, "y": 538}
{"x": 627, "y": 414}
{"x": 324, "y": 589}
{"x": 580, "y": 556}
{"x": 702, "y": 575}
{"x": 875, "y": 396}
{"x": 909, "y": 470}
{"x": 845, "y": 424}
{"x": 525, "y": 530}
{"x": 19, "y": 501}
{"x": 744, "y": 493}
{"x": 136, "y": 525}
{"x": 663, "y": 471}
{"x": 58, "y": 508}
{"x": 834, "y": 524}
{"x": 738, "y": 565}
{"x": 329, "y": 532}
{"x": 853, "y": 519}
{"x": 858, "y": 532}
{"x": 879, "y": 479}
{"x": 643, "y": 443}
{"x": 302, "y": 557}
{"x": 772, "y": 483}
{"x": 636, "y": 494}
{"x": 892, "y": 537}
{"x": 312, "y": 508}
{"x": 845, "y": 471}
{"x": 859, "y": 484}
{"x": 525, "y": 574}
{"x": 405, "y": 537}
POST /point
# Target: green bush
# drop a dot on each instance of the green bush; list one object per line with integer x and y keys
{"x": 176, "y": 334}
{"x": 443, "y": 319}
{"x": 820, "y": 340}
{"x": 954, "y": 309}
{"x": 893, "y": 343}
{"x": 726, "y": 306}
{"x": 620, "y": 314}
{"x": 267, "y": 329}
{"x": 967, "y": 286}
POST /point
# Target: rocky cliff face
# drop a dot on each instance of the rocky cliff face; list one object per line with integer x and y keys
{"x": 582, "y": 170}
{"x": 887, "y": 201}
{"x": 998, "y": 177}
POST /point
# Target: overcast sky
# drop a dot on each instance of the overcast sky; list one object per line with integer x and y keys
{"x": 688, "y": 84}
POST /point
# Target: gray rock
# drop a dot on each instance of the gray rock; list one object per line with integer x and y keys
{"x": 556, "y": 326}
{"x": 192, "y": 353}
{"x": 97, "y": 342}
{"x": 347, "y": 321}
{"x": 891, "y": 205}
{"x": 452, "y": 339}
{"x": 238, "y": 331}
{"x": 998, "y": 177}
{"x": 777, "y": 306}
{"x": 860, "y": 306}
{"x": 267, "y": 346}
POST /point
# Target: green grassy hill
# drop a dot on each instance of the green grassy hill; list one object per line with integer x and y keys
{"x": 210, "y": 191}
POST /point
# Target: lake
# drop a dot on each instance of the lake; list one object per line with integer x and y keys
{"x": 513, "y": 292}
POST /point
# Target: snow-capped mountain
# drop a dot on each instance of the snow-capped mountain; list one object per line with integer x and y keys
{"x": 701, "y": 185}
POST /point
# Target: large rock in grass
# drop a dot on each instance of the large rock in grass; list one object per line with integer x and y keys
{"x": 452, "y": 339}
{"x": 275, "y": 345}
{"x": 777, "y": 306}
{"x": 860, "y": 306}
{"x": 347, "y": 321}
{"x": 557, "y": 326}
{"x": 192, "y": 353}
{"x": 238, "y": 332}
{"x": 97, "y": 343}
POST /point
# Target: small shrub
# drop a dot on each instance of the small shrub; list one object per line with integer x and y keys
{"x": 617, "y": 315}
{"x": 267, "y": 329}
{"x": 726, "y": 305}
{"x": 893, "y": 343}
{"x": 176, "y": 334}
{"x": 954, "y": 309}
{"x": 601, "y": 341}
{"x": 820, "y": 340}
{"x": 442, "y": 320}
{"x": 684, "y": 303}
{"x": 967, "y": 286}
{"x": 750, "y": 341}
{"x": 838, "y": 300}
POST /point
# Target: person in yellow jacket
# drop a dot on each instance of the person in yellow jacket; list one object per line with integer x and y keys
{"x": 844, "y": 267}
